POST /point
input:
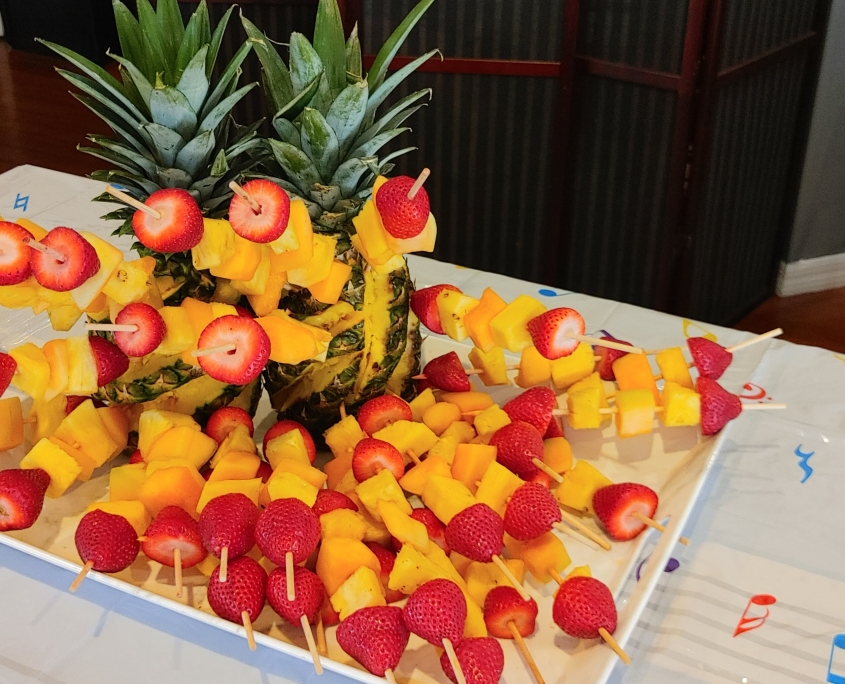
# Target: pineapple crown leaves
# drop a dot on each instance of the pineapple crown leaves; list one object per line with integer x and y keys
{"x": 324, "y": 108}
{"x": 171, "y": 120}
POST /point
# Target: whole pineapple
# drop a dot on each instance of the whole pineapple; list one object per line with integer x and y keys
{"x": 324, "y": 112}
{"x": 172, "y": 129}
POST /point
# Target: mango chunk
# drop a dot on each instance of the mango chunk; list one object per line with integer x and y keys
{"x": 497, "y": 485}
{"x": 477, "y": 321}
{"x": 62, "y": 468}
{"x": 534, "y": 368}
{"x": 421, "y": 402}
{"x": 343, "y": 522}
{"x": 579, "y": 485}
{"x": 415, "y": 479}
{"x": 542, "y": 555}
{"x": 635, "y": 412}
{"x": 125, "y": 481}
{"x": 11, "y": 423}
{"x": 452, "y": 307}
{"x": 440, "y": 416}
{"x": 673, "y": 366}
{"x": 508, "y": 327}
{"x": 568, "y": 370}
{"x": 471, "y": 462}
{"x": 632, "y": 372}
{"x": 339, "y": 558}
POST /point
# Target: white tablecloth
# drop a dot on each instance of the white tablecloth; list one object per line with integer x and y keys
{"x": 770, "y": 527}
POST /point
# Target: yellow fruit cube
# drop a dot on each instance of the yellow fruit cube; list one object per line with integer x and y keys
{"x": 268, "y": 300}
{"x": 509, "y": 325}
{"x": 290, "y": 340}
{"x": 336, "y": 469}
{"x": 342, "y": 522}
{"x": 542, "y": 555}
{"x": 441, "y": 416}
{"x": 62, "y": 468}
{"x": 419, "y": 404}
{"x": 243, "y": 263}
{"x": 288, "y": 445}
{"x": 579, "y": 571}
{"x": 184, "y": 442}
{"x": 125, "y": 481}
{"x": 85, "y": 461}
{"x": 557, "y": 454}
{"x": 583, "y": 407}
{"x": 492, "y": 364}
{"x": 424, "y": 242}
{"x": 319, "y": 265}
{"x": 474, "y": 625}
{"x": 635, "y": 412}
{"x": 116, "y": 423}
{"x": 444, "y": 449}
{"x": 237, "y": 465}
{"x": 211, "y": 490}
{"x": 289, "y": 485}
{"x": 131, "y": 281}
{"x": 415, "y": 479}
{"x": 497, "y": 485}
{"x": 412, "y": 569}
{"x": 110, "y": 259}
{"x": 471, "y": 462}
{"x": 33, "y": 372}
{"x": 82, "y": 367}
{"x": 303, "y": 234}
{"x": 258, "y": 283}
{"x": 381, "y": 487}
{"x": 21, "y": 295}
{"x": 171, "y": 483}
{"x": 339, "y": 558}
{"x": 633, "y": 372}
{"x": 534, "y": 368}
{"x": 681, "y": 406}
{"x": 568, "y": 370}
{"x": 477, "y": 321}
{"x": 342, "y": 437}
{"x": 403, "y": 526}
{"x": 446, "y": 497}
{"x": 83, "y": 429}
{"x": 314, "y": 476}
{"x": 154, "y": 423}
{"x": 579, "y": 485}
{"x": 133, "y": 511}
{"x": 460, "y": 562}
{"x": 482, "y": 577}
{"x": 461, "y": 431}
{"x": 48, "y": 416}
{"x": 673, "y": 366}
{"x": 468, "y": 401}
{"x": 37, "y": 231}
{"x": 437, "y": 556}
{"x": 360, "y": 590}
{"x": 56, "y": 355}
{"x": 180, "y": 334}
{"x": 452, "y": 307}
{"x": 217, "y": 245}
{"x": 238, "y": 439}
{"x": 490, "y": 420}
{"x": 11, "y": 423}
{"x": 347, "y": 483}
{"x": 371, "y": 235}
{"x": 407, "y": 435}
{"x": 329, "y": 289}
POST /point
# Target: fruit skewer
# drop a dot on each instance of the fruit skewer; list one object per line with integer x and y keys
{"x": 239, "y": 599}
{"x": 626, "y": 509}
{"x": 421, "y": 179}
{"x": 303, "y": 609}
{"x": 245, "y": 196}
{"x": 173, "y": 539}
{"x": 106, "y": 543}
{"x": 509, "y": 616}
{"x": 376, "y": 637}
{"x": 227, "y": 526}
{"x": 132, "y": 202}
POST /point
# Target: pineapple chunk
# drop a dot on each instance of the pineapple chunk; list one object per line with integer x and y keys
{"x": 452, "y": 307}
{"x": 360, "y": 590}
{"x": 579, "y": 485}
{"x": 131, "y": 281}
{"x": 633, "y": 372}
{"x": 296, "y": 245}
{"x": 461, "y": 431}
{"x": 508, "y": 327}
{"x": 490, "y": 420}
{"x": 11, "y": 423}
{"x": 211, "y": 490}
{"x": 110, "y": 259}
{"x": 568, "y": 370}
{"x": 237, "y": 465}
{"x": 238, "y": 439}
{"x": 179, "y": 335}
{"x": 681, "y": 406}
{"x": 266, "y": 302}
{"x": 468, "y": 401}
{"x": 291, "y": 341}
{"x": 492, "y": 364}
{"x": 424, "y": 242}
{"x": 471, "y": 462}
{"x": 342, "y": 437}
{"x": 83, "y": 429}
{"x": 446, "y": 497}
{"x": 48, "y": 416}
{"x": 116, "y": 423}
{"x": 381, "y": 487}
{"x": 339, "y": 558}
{"x": 478, "y": 320}
{"x": 441, "y": 416}
{"x": 62, "y": 468}
{"x": 534, "y": 368}
{"x": 411, "y": 569}
{"x": 154, "y": 423}
{"x": 217, "y": 245}
{"x": 329, "y": 289}
{"x": 243, "y": 263}
{"x": 84, "y": 461}
{"x": 64, "y": 316}
{"x": 370, "y": 237}
{"x": 444, "y": 449}
{"x": 673, "y": 366}
{"x": 415, "y": 479}
{"x": 497, "y": 485}
{"x": 314, "y": 476}
{"x": 584, "y": 408}
{"x": 289, "y": 445}
{"x": 56, "y": 355}
{"x": 421, "y": 402}
{"x": 481, "y": 578}
{"x": 33, "y": 372}
{"x": 635, "y": 412}
{"x": 133, "y": 511}
{"x": 319, "y": 265}
{"x": 82, "y": 366}
{"x": 288, "y": 485}
{"x": 403, "y": 526}
{"x": 21, "y": 295}
{"x": 342, "y": 522}
{"x": 407, "y": 435}
{"x": 125, "y": 481}
{"x": 258, "y": 283}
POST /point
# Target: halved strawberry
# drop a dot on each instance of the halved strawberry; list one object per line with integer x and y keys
{"x": 436, "y": 529}
{"x": 447, "y": 373}
{"x": 386, "y": 561}
{"x": 553, "y": 429}
{"x": 150, "y": 333}
{"x": 21, "y": 498}
{"x": 608, "y": 356}
{"x": 616, "y": 504}
{"x": 271, "y": 219}
{"x": 710, "y": 358}
{"x": 79, "y": 260}
{"x": 283, "y": 426}
{"x": 14, "y": 254}
{"x": 381, "y": 411}
{"x": 424, "y": 305}
{"x": 718, "y": 406}
{"x": 265, "y": 471}
{"x": 371, "y": 456}
{"x": 224, "y": 420}
{"x": 111, "y": 362}
{"x": 8, "y": 366}
{"x": 329, "y": 500}
{"x": 504, "y": 605}
{"x": 534, "y": 406}
{"x": 550, "y": 332}
{"x": 180, "y": 224}
{"x": 402, "y": 217}
{"x": 241, "y": 365}
{"x": 174, "y": 529}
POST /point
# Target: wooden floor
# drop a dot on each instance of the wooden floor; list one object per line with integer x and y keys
{"x": 41, "y": 124}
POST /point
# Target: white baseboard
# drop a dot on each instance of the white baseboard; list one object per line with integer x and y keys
{"x": 811, "y": 275}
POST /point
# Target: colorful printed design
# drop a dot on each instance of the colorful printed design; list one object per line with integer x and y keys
{"x": 672, "y": 565}
{"x": 837, "y": 649}
{"x": 551, "y": 293}
{"x": 21, "y": 202}
{"x": 707, "y": 334}
{"x": 749, "y": 620}
{"x": 752, "y": 391}
{"x": 802, "y": 462}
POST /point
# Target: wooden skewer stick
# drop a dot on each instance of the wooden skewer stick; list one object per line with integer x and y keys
{"x": 132, "y": 202}
{"x": 413, "y": 457}
{"x": 656, "y": 525}
{"x": 177, "y": 569}
{"x": 523, "y": 648}
{"x": 582, "y": 528}
{"x": 44, "y": 249}
{"x": 755, "y": 340}
{"x": 557, "y": 477}
{"x": 111, "y": 327}
{"x": 453, "y": 658}
{"x": 322, "y": 647}
{"x": 312, "y": 647}
{"x": 224, "y": 564}
{"x": 289, "y": 575}
{"x": 81, "y": 576}
{"x": 762, "y": 407}
{"x": 389, "y": 676}
{"x": 511, "y": 578}
{"x": 468, "y": 371}
{"x": 598, "y": 342}
{"x": 213, "y": 350}
{"x": 30, "y": 421}
{"x": 342, "y": 410}
{"x": 244, "y": 195}
{"x": 250, "y": 635}
{"x": 415, "y": 188}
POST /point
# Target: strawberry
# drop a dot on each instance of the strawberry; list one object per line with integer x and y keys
{"x": 375, "y": 636}
{"x": 245, "y": 363}
{"x": 371, "y": 456}
{"x": 228, "y": 521}
{"x": 516, "y": 445}
{"x": 550, "y": 332}
{"x": 615, "y": 504}
{"x": 151, "y": 329}
{"x": 265, "y": 470}
{"x": 710, "y": 358}
{"x": 503, "y": 605}
{"x": 447, "y": 373}
{"x": 476, "y": 532}
{"x": 136, "y": 457}
{"x": 481, "y": 659}
{"x": 271, "y": 219}
{"x": 243, "y": 590}
{"x": 287, "y": 525}
{"x": 542, "y": 479}
{"x": 718, "y": 406}
{"x": 74, "y": 400}
{"x": 243, "y": 311}
{"x": 107, "y": 540}
{"x": 224, "y": 420}
{"x": 402, "y": 217}
{"x": 582, "y": 605}
{"x": 329, "y": 500}
{"x": 436, "y": 529}
{"x": 534, "y": 406}
{"x": 424, "y": 305}
{"x": 608, "y": 356}
{"x": 386, "y": 560}
{"x": 173, "y": 529}
{"x": 381, "y": 411}
{"x": 310, "y": 594}
{"x": 8, "y": 366}
{"x": 14, "y": 254}
{"x": 180, "y": 224}
{"x": 437, "y": 610}
{"x": 554, "y": 429}
{"x": 111, "y": 362}
{"x": 281, "y": 427}
{"x": 79, "y": 260}
{"x": 329, "y": 615}
{"x": 38, "y": 476}
{"x": 531, "y": 511}
{"x": 21, "y": 498}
